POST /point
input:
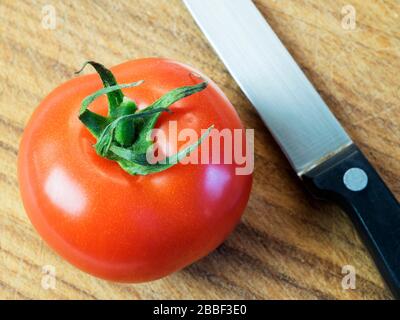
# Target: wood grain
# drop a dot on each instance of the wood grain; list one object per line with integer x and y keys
{"x": 288, "y": 246}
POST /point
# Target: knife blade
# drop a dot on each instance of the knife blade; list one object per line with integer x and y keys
{"x": 289, "y": 105}
{"x": 316, "y": 145}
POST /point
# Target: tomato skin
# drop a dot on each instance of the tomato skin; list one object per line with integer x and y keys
{"x": 111, "y": 224}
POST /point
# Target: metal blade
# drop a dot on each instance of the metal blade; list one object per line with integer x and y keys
{"x": 298, "y": 118}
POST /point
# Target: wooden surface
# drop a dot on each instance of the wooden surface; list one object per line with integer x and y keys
{"x": 288, "y": 245}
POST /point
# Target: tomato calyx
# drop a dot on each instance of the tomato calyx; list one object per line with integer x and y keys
{"x": 125, "y": 135}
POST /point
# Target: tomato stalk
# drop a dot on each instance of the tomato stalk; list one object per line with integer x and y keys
{"x": 125, "y": 134}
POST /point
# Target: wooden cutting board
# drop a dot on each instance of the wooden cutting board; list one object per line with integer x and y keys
{"x": 288, "y": 245}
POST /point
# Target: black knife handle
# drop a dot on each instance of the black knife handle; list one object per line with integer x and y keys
{"x": 350, "y": 180}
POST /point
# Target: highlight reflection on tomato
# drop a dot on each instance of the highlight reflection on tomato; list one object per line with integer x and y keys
{"x": 110, "y": 223}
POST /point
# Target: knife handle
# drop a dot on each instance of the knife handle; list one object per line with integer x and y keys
{"x": 351, "y": 181}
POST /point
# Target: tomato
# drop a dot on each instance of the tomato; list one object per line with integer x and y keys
{"x": 114, "y": 225}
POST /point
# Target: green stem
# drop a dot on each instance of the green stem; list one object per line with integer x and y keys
{"x": 125, "y": 131}
{"x": 125, "y": 134}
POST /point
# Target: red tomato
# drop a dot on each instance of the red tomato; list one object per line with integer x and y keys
{"x": 114, "y": 225}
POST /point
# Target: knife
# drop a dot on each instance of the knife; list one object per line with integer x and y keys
{"x": 316, "y": 145}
